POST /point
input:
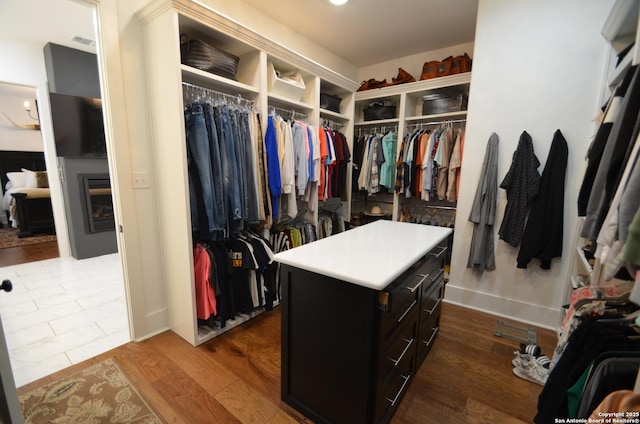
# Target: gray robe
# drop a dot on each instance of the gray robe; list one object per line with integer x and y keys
{"x": 483, "y": 211}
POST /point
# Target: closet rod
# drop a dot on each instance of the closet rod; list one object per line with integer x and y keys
{"x": 289, "y": 114}
{"x": 331, "y": 124}
{"x": 195, "y": 93}
{"x": 420, "y": 124}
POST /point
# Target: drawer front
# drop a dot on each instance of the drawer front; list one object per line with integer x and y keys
{"x": 431, "y": 299}
{"x": 427, "y": 336}
{"x": 402, "y": 304}
{"x": 389, "y": 399}
{"x": 400, "y": 351}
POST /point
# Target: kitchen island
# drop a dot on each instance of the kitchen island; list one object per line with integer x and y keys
{"x": 360, "y": 311}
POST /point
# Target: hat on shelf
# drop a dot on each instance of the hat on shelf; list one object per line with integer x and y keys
{"x": 375, "y": 211}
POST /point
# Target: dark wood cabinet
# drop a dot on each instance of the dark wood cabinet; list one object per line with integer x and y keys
{"x": 350, "y": 352}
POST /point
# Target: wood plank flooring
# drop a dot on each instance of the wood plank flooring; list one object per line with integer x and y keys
{"x": 29, "y": 253}
{"x": 235, "y": 378}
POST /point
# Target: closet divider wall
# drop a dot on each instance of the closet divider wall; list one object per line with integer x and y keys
{"x": 164, "y": 21}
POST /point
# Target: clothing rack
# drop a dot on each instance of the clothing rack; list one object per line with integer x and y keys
{"x": 383, "y": 130}
{"x": 331, "y": 124}
{"x": 424, "y": 124}
{"x": 287, "y": 113}
{"x": 194, "y": 93}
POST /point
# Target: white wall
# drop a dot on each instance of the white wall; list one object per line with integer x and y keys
{"x": 538, "y": 66}
{"x": 12, "y": 137}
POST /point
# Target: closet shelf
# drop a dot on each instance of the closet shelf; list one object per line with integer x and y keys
{"x": 216, "y": 82}
{"x": 415, "y": 87}
{"x": 331, "y": 114}
{"x": 286, "y": 103}
{"x": 622, "y": 22}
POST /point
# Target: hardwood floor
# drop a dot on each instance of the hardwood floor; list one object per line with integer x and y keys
{"x": 29, "y": 253}
{"x": 235, "y": 378}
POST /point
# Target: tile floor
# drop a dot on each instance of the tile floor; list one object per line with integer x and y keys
{"x": 62, "y": 311}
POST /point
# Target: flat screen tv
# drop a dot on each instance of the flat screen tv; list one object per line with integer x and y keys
{"x": 78, "y": 126}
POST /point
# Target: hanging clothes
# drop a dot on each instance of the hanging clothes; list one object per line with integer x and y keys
{"x": 521, "y": 184}
{"x": 542, "y": 238}
{"x": 483, "y": 211}
{"x": 613, "y": 160}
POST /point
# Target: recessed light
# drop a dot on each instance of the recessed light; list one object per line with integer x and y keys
{"x": 338, "y": 2}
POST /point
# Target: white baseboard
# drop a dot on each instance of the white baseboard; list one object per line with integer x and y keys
{"x": 515, "y": 310}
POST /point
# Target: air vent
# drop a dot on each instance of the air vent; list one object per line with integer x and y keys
{"x": 82, "y": 40}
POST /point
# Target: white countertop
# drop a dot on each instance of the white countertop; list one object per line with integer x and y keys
{"x": 372, "y": 255}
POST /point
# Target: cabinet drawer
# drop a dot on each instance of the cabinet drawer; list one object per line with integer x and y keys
{"x": 402, "y": 301}
{"x": 389, "y": 399}
{"x": 400, "y": 351}
{"x": 427, "y": 336}
{"x": 431, "y": 299}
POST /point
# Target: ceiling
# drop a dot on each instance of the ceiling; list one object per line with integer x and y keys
{"x": 363, "y": 32}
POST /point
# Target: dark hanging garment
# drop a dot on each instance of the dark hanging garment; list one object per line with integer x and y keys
{"x": 613, "y": 161}
{"x": 521, "y": 184}
{"x": 542, "y": 237}
{"x": 594, "y": 155}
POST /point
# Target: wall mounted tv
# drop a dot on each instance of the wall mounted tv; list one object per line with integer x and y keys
{"x": 78, "y": 126}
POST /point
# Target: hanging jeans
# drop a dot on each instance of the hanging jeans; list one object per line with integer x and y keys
{"x": 229, "y": 168}
{"x": 251, "y": 192}
{"x": 216, "y": 163}
{"x": 201, "y": 176}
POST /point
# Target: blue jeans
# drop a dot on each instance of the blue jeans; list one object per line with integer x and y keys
{"x": 229, "y": 168}
{"x": 201, "y": 177}
{"x": 216, "y": 164}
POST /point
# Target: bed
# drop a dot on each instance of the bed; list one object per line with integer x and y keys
{"x": 25, "y": 192}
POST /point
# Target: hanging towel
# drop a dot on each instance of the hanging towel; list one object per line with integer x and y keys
{"x": 483, "y": 211}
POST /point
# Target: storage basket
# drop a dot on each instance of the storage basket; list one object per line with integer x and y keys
{"x": 290, "y": 85}
{"x": 204, "y": 56}
{"x": 378, "y": 110}
{"x": 330, "y": 102}
{"x": 433, "y": 104}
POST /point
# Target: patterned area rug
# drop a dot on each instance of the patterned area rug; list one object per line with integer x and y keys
{"x": 9, "y": 238}
{"x": 100, "y": 393}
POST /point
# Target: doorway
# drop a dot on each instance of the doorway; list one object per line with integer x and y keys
{"x": 57, "y": 294}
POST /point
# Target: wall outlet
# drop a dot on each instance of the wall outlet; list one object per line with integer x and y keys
{"x": 140, "y": 180}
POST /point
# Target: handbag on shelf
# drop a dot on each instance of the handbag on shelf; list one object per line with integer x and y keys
{"x": 201, "y": 55}
{"x": 378, "y": 110}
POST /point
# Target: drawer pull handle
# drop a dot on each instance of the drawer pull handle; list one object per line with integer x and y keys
{"x": 408, "y": 309}
{"x": 430, "y": 311}
{"x": 395, "y": 399}
{"x": 409, "y": 343}
{"x": 414, "y": 288}
{"x": 437, "y": 255}
{"x": 435, "y": 331}
{"x": 440, "y": 271}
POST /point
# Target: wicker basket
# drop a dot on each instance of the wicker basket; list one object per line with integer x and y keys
{"x": 204, "y": 56}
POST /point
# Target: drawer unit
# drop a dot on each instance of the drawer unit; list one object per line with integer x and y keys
{"x": 350, "y": 350}
{"x": 398, "y": 353}
{"x": 389, "y": 399}
{"x": 398, "y": 304}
